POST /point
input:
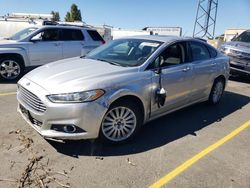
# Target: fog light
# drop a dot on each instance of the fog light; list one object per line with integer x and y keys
{"x": 69, "y": 128}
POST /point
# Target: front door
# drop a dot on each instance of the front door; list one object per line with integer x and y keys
{"x": 45, "y": 47}
{"x": 176, "y": 78}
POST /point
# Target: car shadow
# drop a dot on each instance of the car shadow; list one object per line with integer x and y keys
{"x": 161, "y": 131}
{"x": 242, "y": 79}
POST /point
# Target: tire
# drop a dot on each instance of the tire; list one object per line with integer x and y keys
{"x": 11, "y": 68}
{"x": 121, "y": 123}
{"x": 216, "y": 91}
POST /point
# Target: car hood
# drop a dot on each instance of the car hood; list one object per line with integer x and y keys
{"x": 75, "y": 74}
{"x": 3, "y": 42}
{"x": 242, "y": 46}
{"x": 10, "y": 43}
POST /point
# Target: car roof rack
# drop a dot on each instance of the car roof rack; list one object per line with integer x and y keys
{"x": 64, "y": 24}
{"x": 49, "y": 23}
{"x": 82, "y": 26}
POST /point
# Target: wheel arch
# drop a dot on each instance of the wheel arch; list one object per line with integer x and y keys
{"x": 221, "y": 77}
{"x": 125, "y": 97}
{"x": 15, "y": 55}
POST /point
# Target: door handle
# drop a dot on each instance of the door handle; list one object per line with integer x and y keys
{"x": 57, "y": 44}
{"x": 186, "y": 69}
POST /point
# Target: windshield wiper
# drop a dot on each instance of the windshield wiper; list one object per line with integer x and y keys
{"x": 110, "y": 62}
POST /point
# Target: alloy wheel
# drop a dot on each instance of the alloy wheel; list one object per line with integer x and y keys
{"x": 10, "y": 69}
{"x": 119, "y": 124}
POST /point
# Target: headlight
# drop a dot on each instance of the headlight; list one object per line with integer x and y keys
{"x": 77, "y": 97}
{"x": 224, "y": 49}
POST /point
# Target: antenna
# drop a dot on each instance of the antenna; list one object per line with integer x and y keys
{"x": 205, "y": 19}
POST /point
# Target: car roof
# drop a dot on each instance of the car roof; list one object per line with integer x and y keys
{"x": 162, "y": 38}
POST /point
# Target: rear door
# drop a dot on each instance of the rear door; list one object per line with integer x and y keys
{"x": 73, "y": 42}
{"x": 176, "y": 78}
{"x": 204, "y": 70}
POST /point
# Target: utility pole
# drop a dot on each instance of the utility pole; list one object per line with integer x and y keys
{"x": 205, "y": 21}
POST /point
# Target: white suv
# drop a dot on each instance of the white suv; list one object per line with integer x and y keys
{"x": 40, "y": 45}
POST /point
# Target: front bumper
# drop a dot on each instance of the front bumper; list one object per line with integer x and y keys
{"x": 86, "y": 116}
{"x": 241, "y": 68}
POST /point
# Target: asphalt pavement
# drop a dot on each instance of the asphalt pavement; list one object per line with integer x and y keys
{"x": 160, "y": 148}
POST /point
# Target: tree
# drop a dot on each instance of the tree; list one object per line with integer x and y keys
{"x": 74, "y": 14}
{"x": 56, "y": 16}
{"x": 68, "y": 17}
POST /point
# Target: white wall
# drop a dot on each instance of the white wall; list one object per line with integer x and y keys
{"x": 119, "y": 33}
{"x": 8, "y": 28}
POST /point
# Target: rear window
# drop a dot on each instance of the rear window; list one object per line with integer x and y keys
{"x": 95, "y": 35}
{"x": 72, "y": 35}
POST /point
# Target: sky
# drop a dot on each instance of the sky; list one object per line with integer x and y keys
{"x": 137, "y": 14}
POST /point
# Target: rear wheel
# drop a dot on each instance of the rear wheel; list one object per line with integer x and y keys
{"x": 217, "y": 91}
{"x": 10, "y": 68}
{"x": 121, "y": 122}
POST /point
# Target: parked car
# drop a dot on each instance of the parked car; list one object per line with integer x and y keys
{"x": 40, "y": 45}
{"x": 121, "y": 85}
{"x": 239, "y": 52}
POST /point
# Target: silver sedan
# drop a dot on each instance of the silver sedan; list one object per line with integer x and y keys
{"x": 115, "y": 89}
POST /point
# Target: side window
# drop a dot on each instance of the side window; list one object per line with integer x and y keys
{"x": 72, "y": 35}
{"x": 199, "y": 51}
{"x": 212, "y": 51}
{"x": 47, "y": 35}
{"x": 172, "y": 55}
{"x": 95, "y": 35}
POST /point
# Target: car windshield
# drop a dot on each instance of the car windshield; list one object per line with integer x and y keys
{"x": 125, "y": 52}
{"x": 22, "y": 34}
{"x": 244, "y": 37}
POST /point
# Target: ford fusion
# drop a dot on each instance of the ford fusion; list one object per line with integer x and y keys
{"x": 115, "y": 89}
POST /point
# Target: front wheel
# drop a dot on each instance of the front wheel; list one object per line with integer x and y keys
{"x": 217, "y": 91}
{"x": 121, "y": 123}
{"x": 10, "y": 68}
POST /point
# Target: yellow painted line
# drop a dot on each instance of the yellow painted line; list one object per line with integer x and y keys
{"x": 7, "y": 94}
{"x": 168, "y": 177}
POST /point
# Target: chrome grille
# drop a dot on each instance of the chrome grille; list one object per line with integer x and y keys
{"x": 31, "y": 100}
{"x": 239, "y": 53}
{"x": 241, "y": 57}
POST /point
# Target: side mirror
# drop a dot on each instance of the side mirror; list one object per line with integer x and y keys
{"x": 158, "y": 62}
{"x": 34, "y": 40}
